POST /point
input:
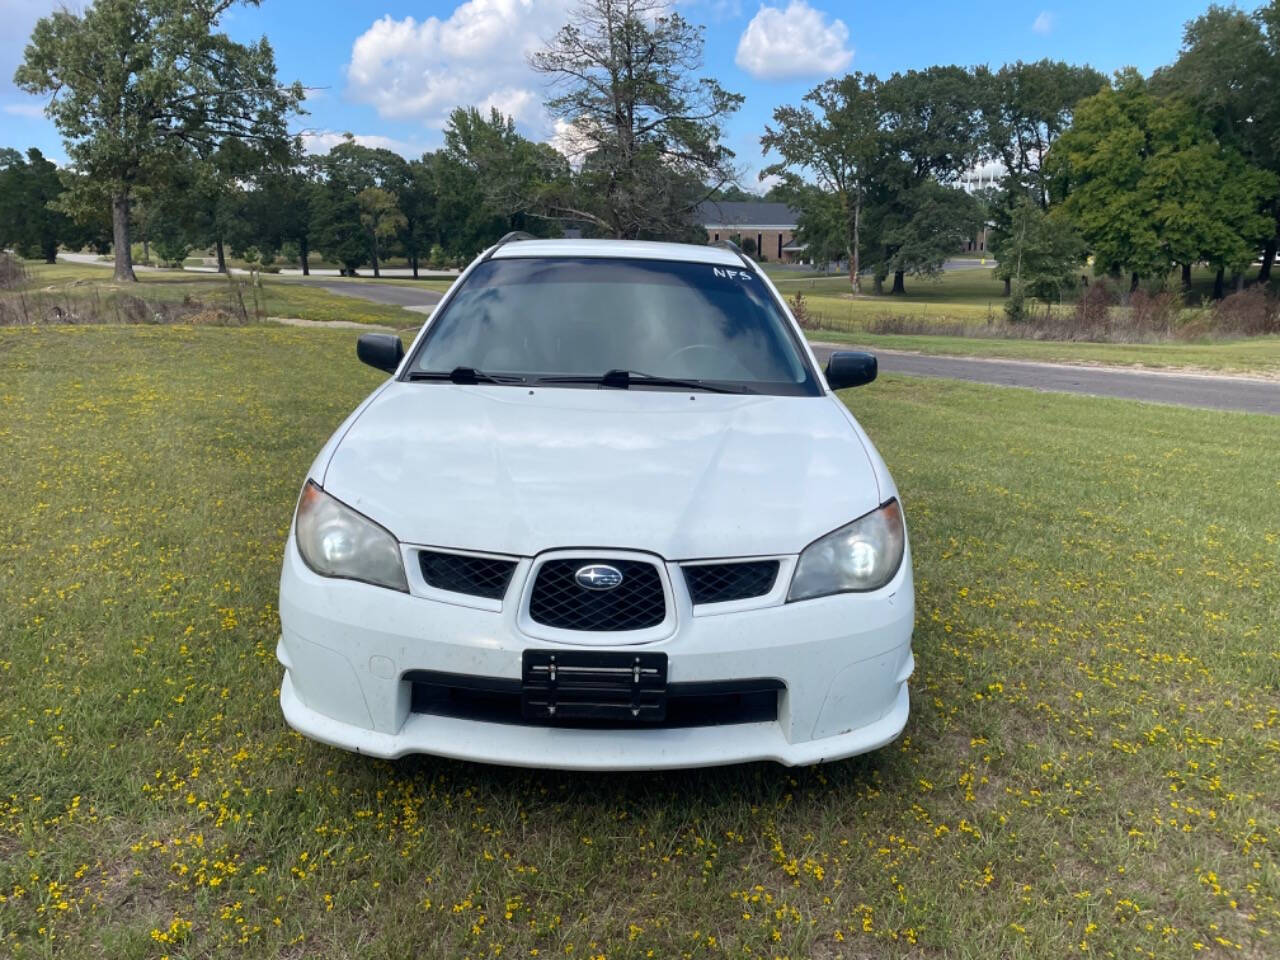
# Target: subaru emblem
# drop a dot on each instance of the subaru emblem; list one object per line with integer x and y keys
{"x": 598, "y": 576}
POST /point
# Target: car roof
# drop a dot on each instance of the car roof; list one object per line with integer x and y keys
{"x": 636, "y": 249}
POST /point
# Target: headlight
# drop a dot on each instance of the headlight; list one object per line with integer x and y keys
{"x": 335, "y": 541}
{"x": 863, "y": 555}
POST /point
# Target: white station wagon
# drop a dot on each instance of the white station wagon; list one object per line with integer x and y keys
{"x": 606, "y": 514}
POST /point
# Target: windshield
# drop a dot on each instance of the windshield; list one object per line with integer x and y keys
{"x": 547, "y": 317}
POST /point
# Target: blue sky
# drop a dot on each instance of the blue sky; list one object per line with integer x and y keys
{"x": 390, "y": 71}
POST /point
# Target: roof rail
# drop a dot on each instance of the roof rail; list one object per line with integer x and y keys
{"x": 511, "y": 237}
{"x": 733, "y": 247}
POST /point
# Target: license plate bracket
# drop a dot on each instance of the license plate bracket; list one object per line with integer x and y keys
{"x": 592, "y": 685}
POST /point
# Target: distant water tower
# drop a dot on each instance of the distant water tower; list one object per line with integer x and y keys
{"x": 981, "y": 177}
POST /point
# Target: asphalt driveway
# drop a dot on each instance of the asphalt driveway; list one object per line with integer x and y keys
{"x": 419, "y": 299}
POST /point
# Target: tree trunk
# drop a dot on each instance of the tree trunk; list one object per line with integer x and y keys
{"x": 1008, "y": 286}
{"x": 146, "y": 250}
{"x": 1217, "y": 284}
{"x": 304, "y": 252}
{"x": 375, "y": 258}
{"x": 1186, "y": 276}
{"x": 50, "y": 252}
{"x": 1268, "y": 258}
{"x": 1269, "y": 253}
{"x": 120, "y": 239}
{"x": 879, "y": 284}
{"x": 898, "y": 287}
{"x": 222, "y": 256}
{"x": 1239, "y": 278}
{"x": 855, "y": 262}
{"x": 413, "y": 260}
{"x": 1133, "y": 282}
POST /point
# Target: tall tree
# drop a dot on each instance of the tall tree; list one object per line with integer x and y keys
{"x": 281, "y": 208}
{"x": 30, "y": 220}
{"x": 932, "y": 134}
{"x": 1039, "y": 254}
{"x": 1025, "y": 107}
{"x": 417, "y": 199}
{"x": 514, "y": 175}
{"x": 133, "y": 84}
{"x": 835, "y": 138}
{"x": 1149, "y": 185}
{"x": 381, "y": 218}
{"x": 1229, "y": 70}
{"x": 1099, "y": 167}
{"x": 822, "y": 223}
{"x": 646, "y": 129}
{"x": 918, "y": 228}
{"x": 341, "y": 220}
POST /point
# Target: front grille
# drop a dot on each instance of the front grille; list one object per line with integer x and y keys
{"x": 560, "y": 601}
{"x": 722, "y": 582}
{"x": 478, "y": 576}
{"x": 494, "y": 700}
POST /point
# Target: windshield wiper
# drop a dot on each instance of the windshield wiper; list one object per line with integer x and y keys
{"x": 623, "y": 379}
{"x": 465, "y": 375}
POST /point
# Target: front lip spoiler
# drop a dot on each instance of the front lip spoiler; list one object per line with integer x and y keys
{"x": 559, "y": 749}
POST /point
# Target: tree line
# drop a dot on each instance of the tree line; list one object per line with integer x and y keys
{"x": 1145, "y": 175}
{"x": 178, "y": 137}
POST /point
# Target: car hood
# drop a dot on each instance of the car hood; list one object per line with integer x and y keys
{"x": 518, "y": 471}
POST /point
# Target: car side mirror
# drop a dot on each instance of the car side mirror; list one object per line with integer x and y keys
{"x": 381, "y": 350}
{"x": 850, "y": 368}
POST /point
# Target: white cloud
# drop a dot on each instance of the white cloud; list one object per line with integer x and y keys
{"x": 796, "y": 42}
{"x": 763, "y": 184}
{"x": 477, "y": 56}
{"x": 1043, "y": 23}
{"x": 24, "y": 109}
{"x": 322, "y": 141}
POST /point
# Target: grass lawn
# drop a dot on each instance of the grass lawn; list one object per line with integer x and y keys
{"x": 1256, "y": 355}
{"x": 277, "y": 297}
{"x": 1091, "y": 767}
{"x": 975, "y": 287}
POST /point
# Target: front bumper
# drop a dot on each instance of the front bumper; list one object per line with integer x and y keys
{"x": 346, "y": 647}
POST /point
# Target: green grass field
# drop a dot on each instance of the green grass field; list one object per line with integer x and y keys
{"x": 974, "y": 287}
{"x": 1091, "y": 768}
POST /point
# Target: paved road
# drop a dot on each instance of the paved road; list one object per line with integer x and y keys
{"x": 401, "y": 295}
{"x": 1188, "y": 390}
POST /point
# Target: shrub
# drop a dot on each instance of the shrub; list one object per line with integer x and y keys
{"x": 1093, "y": 309}
{"x": 436, "y": 256}
{"x": 1249, "y": 313}
{"x": 12, "y": 273}
{"x": 1015, "y": 308}
{"x": 171, "y": 250}
{"x": 1153, "y": 313}
{"x": 800, "y": 310}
